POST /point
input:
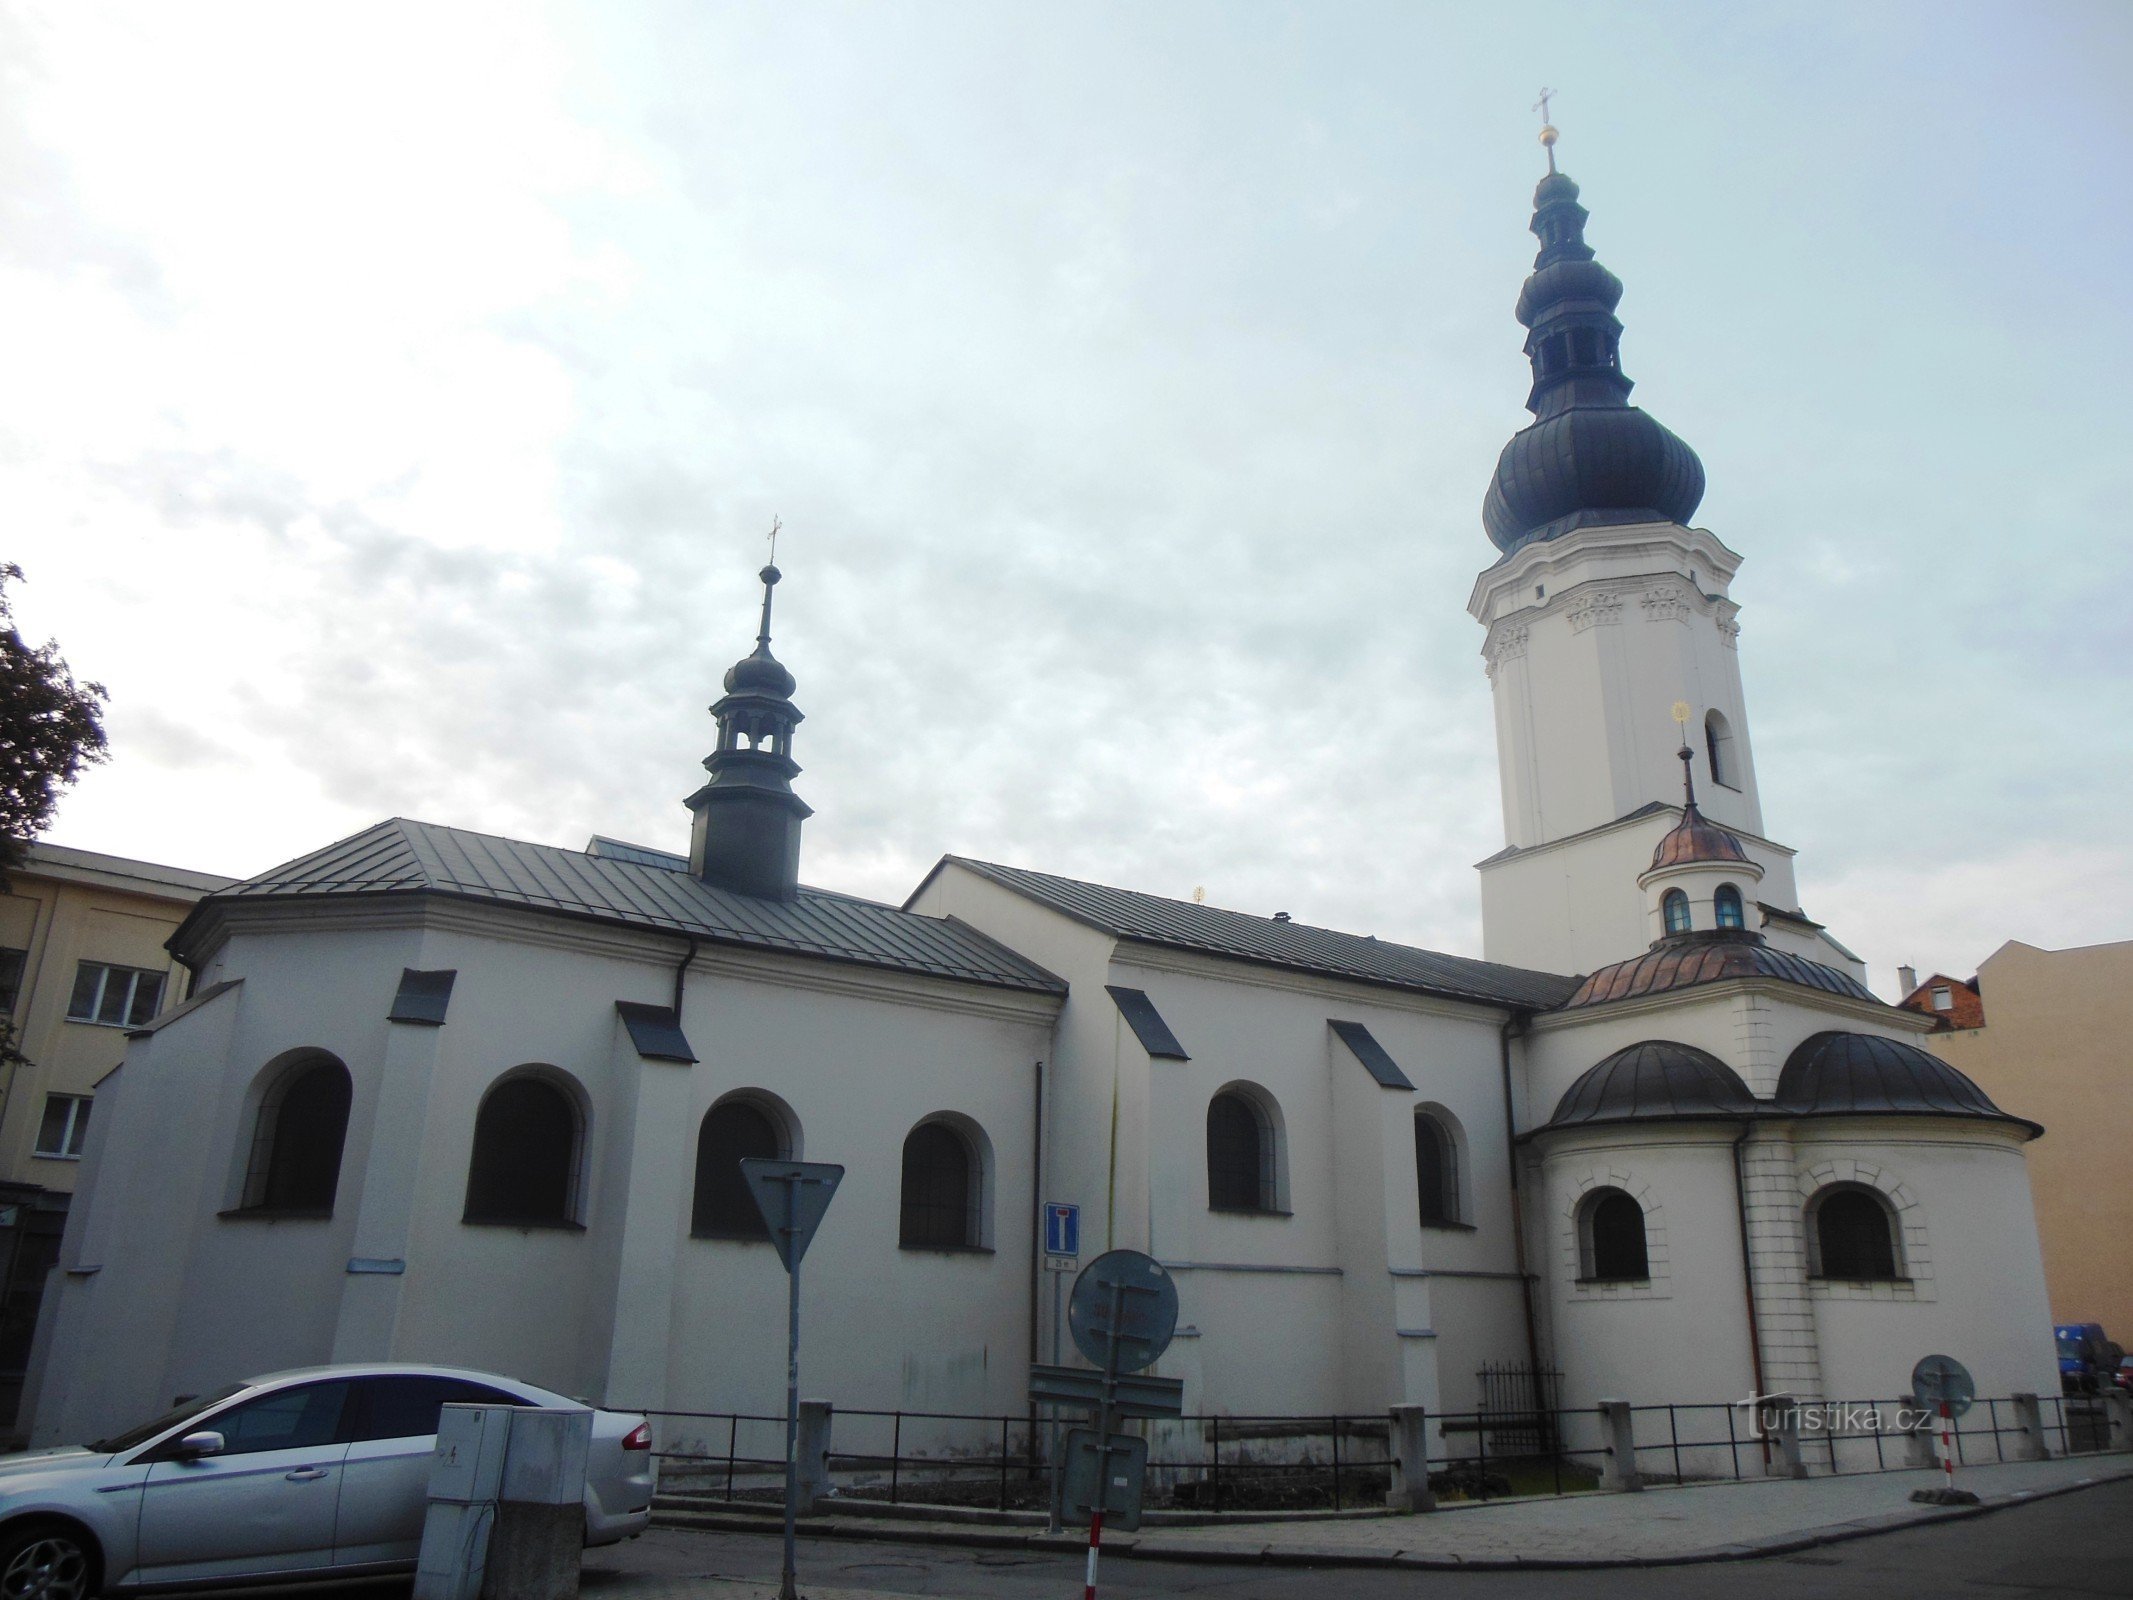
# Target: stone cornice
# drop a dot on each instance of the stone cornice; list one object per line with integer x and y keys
{"x": 1624, "y": 548}
{"x": 1608, "y": 599}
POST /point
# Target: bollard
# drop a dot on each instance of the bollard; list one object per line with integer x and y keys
{"x": 1409, "y": 1438}
{"x": 813, "y": 1445}
{"x": 1621, "y": 1435}
{"x": 2118, "y": 1416}
{"x": 1920, "y": 1427}
{"x": 2029, "y": 1442}
{"x": 539, "y": 1540}
{"x": 1781, "y": 1426}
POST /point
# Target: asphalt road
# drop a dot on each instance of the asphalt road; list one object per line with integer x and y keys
{"x": 2078, "y": 1544}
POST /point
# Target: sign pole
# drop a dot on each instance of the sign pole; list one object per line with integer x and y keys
{"x": 1056, "y": 1517}
{"x": 1947, "y": 1442}
{"x": 788, "y": 1587}
{"x": 1103, "y": 1438}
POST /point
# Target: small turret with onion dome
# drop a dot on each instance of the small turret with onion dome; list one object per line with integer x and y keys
{"x": 1589, "y": 457}
{"x": 746, "y": 835}
{"x": 1701, "y": 878}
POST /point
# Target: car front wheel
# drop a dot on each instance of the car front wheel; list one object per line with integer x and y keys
{"x": 46, "y": 1561}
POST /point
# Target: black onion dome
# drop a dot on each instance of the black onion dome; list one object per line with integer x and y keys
{"x": 1709, "y": 955}
{"x": 1590, "y": 456}
{"x": 1865, "y": 1074}
{"x": 1655, "y": 1080}
{"x": 760, "y": 673}
{"x": 1695, "y": 838}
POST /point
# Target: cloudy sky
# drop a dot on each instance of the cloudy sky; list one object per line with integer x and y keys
{"x": 394, "y": 399}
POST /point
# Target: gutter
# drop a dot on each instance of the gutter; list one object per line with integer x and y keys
{"x": 681, "y": 972}
{"x": 1747, "y": 1266}
{"x": 1515, "y": 1025}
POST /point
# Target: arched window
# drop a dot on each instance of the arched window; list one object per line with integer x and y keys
{"x": 1726, "y": 903}
{"x": 1854, "y": 1234}
{"x": 1718, "y": 744}
{"x": 732, "y": 1131}
{"x": 941, "y": 1191}
{"x": 1674, "y": 906}
{"x": 525, "y": 1165}
{"x": 1611, "y": 1238}
{"x": 296, "y": 1143}
{"x": 1243, "y": 1163}
{"x": 1436, "y": 1172}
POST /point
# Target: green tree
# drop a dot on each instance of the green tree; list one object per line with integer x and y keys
{"x": 50, "y": 728}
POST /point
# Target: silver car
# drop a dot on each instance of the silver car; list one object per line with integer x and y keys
{"x": 322, "y": 1472}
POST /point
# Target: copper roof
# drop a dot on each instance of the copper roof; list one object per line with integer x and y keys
{"x": 1865, "y": 1074}
{"x": 1694, "y": 838}
{"x": 1684, "y": 960}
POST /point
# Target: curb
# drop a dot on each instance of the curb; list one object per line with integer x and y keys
{"x": 1260, "y": 1553}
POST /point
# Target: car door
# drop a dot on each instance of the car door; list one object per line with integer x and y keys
{"x": 385, "y": 1476}
{"x": 264, "y": 1504}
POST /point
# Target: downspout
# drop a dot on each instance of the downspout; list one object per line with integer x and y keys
{"x": 1747, "y": 1268}
{"x": 681, "y": 972}
{"x": 1036, "y": 1249}
{"x": 1515, "y": 1024}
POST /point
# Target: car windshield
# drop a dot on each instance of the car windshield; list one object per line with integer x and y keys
{"x": 169, "y": 1419}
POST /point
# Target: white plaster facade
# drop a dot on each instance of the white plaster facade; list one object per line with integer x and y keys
{"x": 1337, "y": 1293}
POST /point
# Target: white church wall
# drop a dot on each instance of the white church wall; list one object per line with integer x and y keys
{"x": 1560, "y": 1050}
{"x": 1681, "y": 1335}
{"x": 1968, "y": 1238}
{"x": 940, "y": 1330}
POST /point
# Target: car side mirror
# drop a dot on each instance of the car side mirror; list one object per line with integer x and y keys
{"x": 193, "y": 1446}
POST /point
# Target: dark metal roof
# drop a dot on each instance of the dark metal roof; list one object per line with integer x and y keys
{"x": 1654, "y": 1080}
{"x": 655, "y": 1032}
{"x": 1147, "y": 1023}
{"x": 1866, "y": 1074}
{"x": 423, "y": 997}
{"x": 1683, "y": 960}
{"x": 1376, "y": 1060}
{"x": 1589, "y": 457}
{"x": 1184, "y": 925}
{"x": 401, "y": 857}
{"x": 643, "y": 854}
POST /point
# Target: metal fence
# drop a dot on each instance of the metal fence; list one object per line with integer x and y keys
{"x": 1230, "y": 1463}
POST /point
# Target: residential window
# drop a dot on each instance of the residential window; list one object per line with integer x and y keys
{"x": 1728, "y": 907}
{"x": 940, "y": 1200}
{"x": 1854, "y": 1235}
{"x": 1243, "y": 1155}
{"x": 10, "y": 979}
{"x": 1943, "y": 998}
{"x": 1674, "y": 906}
{"x": 1436, "y": 1172}
{"x": 65, "y": 1126}
{"x": 733, "y": 1131}
{"x": 524, "y": 1169}
{"x": 297, "y": 1141}
{"x": 1611, "y": 1245}
{"x": 115, "y": 997}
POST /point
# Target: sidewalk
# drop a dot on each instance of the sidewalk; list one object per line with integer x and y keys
{"x": 1660, "y": 1527}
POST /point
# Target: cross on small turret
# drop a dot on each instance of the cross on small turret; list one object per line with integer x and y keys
{"x": 1541, "y": 105}
{"x": 1548, "y": 133}
{"x": 775, "y": 527}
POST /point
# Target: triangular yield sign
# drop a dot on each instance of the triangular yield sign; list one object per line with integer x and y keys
{"x": 792, "y": 1196}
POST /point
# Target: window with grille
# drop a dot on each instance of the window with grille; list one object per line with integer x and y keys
{"x": 1854, "y": 1235}
{"x": 297, "y": 1141}
{"x": 65, "y": 1126}
{"x": 1436, "y": 1172}
{"x": 115, "y": 997}
{"x": 1726, "y": 902}
{"x": 731, "y": 1133}
{"x": 939, "y": 1210}
{"x": 1240, "y": 1155}
{"x": 1611, "y": 1238}
{"x": 525, "y": 1163}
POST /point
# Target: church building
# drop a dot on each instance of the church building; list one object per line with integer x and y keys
{"x": 444, "y": 1096}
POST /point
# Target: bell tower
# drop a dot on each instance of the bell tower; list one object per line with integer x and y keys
{"x": 1604, "y": 609}
{"x": 747, "y": 831}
